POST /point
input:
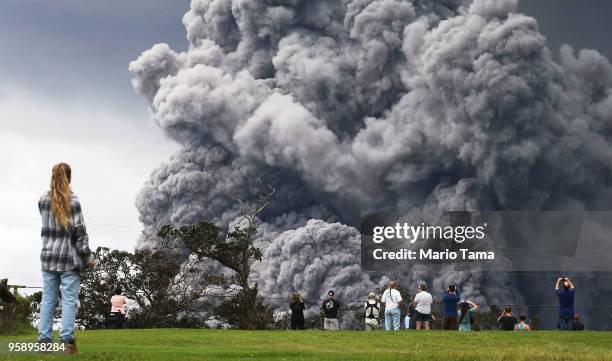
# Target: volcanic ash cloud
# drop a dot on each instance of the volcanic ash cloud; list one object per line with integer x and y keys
{"x": 342, "y": 106}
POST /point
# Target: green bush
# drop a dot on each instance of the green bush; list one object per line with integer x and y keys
{"x": 246, "y": 310}
{"x": 16, "y": 318}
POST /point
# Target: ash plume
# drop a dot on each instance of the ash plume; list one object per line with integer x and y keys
{"x": 349, "y": 105}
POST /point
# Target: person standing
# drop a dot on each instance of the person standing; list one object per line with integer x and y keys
{"x": 5, "y": 295}
{"x": 330, "y": 309}
{"x": 422, "y": 307}
{"x": 409, "y": 321}
{"x": 507, "y": 320}
{"x": 372, "y": 310}
{"x": 297, "y": 311}
{"x": 564, "y": 288}
{"x": 450, "y": 298}
{"x": 392, "y": 300}
{"x": 466, "y": 317}
{"x": 64, "y": 255}
{"x": 118, "y": 302}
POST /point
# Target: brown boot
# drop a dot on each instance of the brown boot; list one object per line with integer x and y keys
{"x": 70, "y": 348}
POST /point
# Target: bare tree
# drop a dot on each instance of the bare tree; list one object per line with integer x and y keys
{"x": 245, "y": 235}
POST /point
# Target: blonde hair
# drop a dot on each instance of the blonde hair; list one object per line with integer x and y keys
{"x": 393, "y": 284}
{"x": 61, "y": 194}
{"x": 295, "y": 297}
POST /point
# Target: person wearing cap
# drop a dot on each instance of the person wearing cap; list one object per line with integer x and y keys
{"x": 372, "y": 307}
{"x": 330, "y": 309}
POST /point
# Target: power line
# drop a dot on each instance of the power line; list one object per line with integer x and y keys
{"x": 553, "y": 274}
{"x": 20, "y": 253}
{"x": 86, "y": 223}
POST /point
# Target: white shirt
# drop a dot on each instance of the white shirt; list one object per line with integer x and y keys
{"x": 391, "y": 298}
{"x": 423, "y": 302}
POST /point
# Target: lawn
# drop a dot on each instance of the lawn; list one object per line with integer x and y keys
{"x": 187, "y": 344}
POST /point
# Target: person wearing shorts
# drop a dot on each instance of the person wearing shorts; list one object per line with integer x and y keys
{"x": 422, "y": 309}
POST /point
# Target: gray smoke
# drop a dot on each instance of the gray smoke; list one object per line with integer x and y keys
{"x": 350, "y": 105}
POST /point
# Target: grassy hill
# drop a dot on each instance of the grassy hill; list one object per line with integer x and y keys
{"x": 183, "y": 344}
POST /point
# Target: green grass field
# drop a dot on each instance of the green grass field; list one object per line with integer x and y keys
{"x": 183, "y": 344}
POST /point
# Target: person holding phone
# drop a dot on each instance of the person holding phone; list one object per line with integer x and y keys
{"x": 564, "y": 288}
{"x": 450, "y": 298}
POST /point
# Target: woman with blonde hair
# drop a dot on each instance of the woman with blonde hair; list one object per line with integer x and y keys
{"x": 297, "y": 311}
{"x": 392, "y": 300}
{"x": 65, "y": 254}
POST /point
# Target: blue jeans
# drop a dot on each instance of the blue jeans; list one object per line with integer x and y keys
{"x": 392, "y": 319}
{"x": 54, "y": 282}
{"x": 566, "y": 324}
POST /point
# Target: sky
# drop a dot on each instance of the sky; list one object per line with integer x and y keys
{"x": 65, "y": 95}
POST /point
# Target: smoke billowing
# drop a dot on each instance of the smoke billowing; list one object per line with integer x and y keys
{"x": 349, "y": 105}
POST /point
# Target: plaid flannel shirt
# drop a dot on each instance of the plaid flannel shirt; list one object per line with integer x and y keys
{"x": 58, "y": 253}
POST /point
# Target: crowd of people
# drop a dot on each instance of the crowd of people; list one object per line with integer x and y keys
{"x": 66, "y": 256}
{"x": 457, "y": 313}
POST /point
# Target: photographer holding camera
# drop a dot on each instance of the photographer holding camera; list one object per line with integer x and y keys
{"x": 565, "y": 291}
{"x": 450, "y": 298}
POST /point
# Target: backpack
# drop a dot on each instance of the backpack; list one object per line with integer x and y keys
{"x": 371, "y": 307}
